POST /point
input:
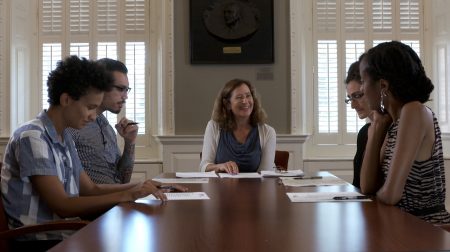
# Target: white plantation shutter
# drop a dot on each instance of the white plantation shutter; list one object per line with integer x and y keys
{"x": 107, "y": 16}
{"x": 443, "y": 92}
{"x": 80, "y": 49}
{"x": 382, "y": 15}
{"x": 376, "y": 42}
{"x": 343, "y": 30}
{"x": 3, "y": 38}
{"x": 326, "y": 107}
{"x": 99, "y": 29}
{"x": 327, "y": 86}
{"x": 108, "y": 50}
{"x": 51, "y": 27}
{"x": 51, "y": 55}
{"x": 51, "y": 17}
{"x": 135, "y": 16}
{"x": 354, "y": 18}
{"x": 409, "y": 16}
{"x": 415, "y": 45}
{"x": 79, "y": 16}
{"x": 354, "y": 27}
{"x": 135, "y": 61}
{"x": 353, "y": 49}
{"x": 326, "y": 15}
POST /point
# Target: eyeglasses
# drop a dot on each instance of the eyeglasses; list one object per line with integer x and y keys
{"x": 123, "y": 89}
{"x": 354, "y": 96}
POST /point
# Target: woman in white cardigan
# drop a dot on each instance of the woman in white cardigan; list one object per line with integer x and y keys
{"x": 237, "y": 138}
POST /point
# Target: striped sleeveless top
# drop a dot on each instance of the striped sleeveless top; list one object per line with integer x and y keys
{"x": 424, "y": 192}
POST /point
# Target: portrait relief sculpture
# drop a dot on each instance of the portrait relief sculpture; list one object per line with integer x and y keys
{"x": 231, "y": 19}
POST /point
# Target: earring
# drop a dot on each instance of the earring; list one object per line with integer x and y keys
{"x": 383, "y": 94}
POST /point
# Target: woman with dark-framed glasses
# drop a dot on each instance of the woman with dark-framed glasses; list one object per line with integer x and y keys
{"x": 355, "y": 98}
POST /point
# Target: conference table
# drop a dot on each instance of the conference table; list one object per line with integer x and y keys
{"x": 250, "y": 214}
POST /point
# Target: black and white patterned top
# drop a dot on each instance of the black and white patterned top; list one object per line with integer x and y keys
{"x": 424, "y": 192}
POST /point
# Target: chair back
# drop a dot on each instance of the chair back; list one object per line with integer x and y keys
{"x": 4, "y": 246}
{"x": 282, "y": 159}
{"x": 3, "y": 223}
{"x": 3, "y": 218}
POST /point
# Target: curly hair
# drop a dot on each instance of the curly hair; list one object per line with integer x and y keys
{"x": 353, "y": 73}
{"x": 225, "y": 117}
{"x": 75, "y": 76}
{"x": 399, "y": 64}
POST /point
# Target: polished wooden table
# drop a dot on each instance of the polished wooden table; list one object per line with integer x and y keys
{"x": 256, "y": 215}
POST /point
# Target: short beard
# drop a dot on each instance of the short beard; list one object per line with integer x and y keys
{"x": 114, "y": 112}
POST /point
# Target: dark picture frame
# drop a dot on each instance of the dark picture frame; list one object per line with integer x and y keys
{"x": 231, "y": 32}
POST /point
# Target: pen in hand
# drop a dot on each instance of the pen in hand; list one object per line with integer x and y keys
{"x": 351, "y": 197}
{"x": 312, "y": 177}
{"x": 167, "y": 187}
{"x": 130, "y": 123}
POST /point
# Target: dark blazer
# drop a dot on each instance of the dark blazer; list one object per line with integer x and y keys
{"x": 360, "y": 149}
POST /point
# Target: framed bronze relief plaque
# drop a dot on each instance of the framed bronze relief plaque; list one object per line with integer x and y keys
{"x": 231, "y": 31}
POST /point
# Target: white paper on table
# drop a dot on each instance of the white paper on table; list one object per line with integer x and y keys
{"x": 322, "y": 196}
{"x": 183, "y": 180}
{"x": 180, "y": 196}
{"x": 289, "y": 173}
{"x": 211, "y": 174}
{"x": 240, "y": 175}
{"x": 324, "y": 181}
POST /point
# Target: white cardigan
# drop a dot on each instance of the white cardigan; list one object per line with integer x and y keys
{"x": 267, "y": 139}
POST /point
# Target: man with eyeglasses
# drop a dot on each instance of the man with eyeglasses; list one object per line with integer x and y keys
{"x": 97, "y": 142}
{"x": 355, "y": 97}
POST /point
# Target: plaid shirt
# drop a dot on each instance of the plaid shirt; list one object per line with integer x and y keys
{"x": 34, "y": 149}
{"x": 99, "y": 153}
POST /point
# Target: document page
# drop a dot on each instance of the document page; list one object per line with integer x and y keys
{"x": 288, "y": 173}
{"x": 313, "y": 181}
{"x": 326, "y": 196}
{"x": 240, "y": 175}
{"x": 181, "y": 196}
{"x": 211, "y": 174}
{"x": 183, "y": 180}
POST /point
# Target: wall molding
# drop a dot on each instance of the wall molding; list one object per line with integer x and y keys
{"x": 162, "y": 72}
{"x": 4, "y": 67}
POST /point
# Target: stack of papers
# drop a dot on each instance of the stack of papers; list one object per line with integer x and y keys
{"x": 180, "y": 196}
{"x": 313, "y": 181}
{"x": 326, "y": 196}
{"x": 289, "y": 173}
{"x": 182, "y": 180}
{"x": 211, "y": 174}
{"x": 240, "y": 175}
